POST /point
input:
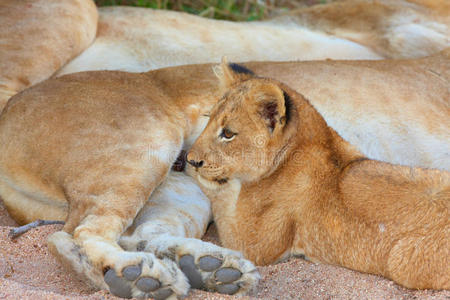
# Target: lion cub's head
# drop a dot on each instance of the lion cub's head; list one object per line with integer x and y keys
{"x": 248, "y": 129}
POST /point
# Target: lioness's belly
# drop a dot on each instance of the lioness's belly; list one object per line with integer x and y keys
{"x": 26, "y": 206}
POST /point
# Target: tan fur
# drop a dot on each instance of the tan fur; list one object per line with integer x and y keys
{"x": 91, "y": 147}
{"x": 282, "y": 182}
{"x": 137, "y": 39}
{"x": 38, "y": 37}
{"x": 391, "y": 28}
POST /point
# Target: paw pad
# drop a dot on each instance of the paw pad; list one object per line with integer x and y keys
{"x": 147, "y": 284}
{"x": 209, "y": 263}
{"x": 117, "y": 285}
{"x": 187, "y": 265}
{"x": 209, "y": 274}
{"x": 162, "y": 294}
{"x": 229, "y": 289}
{"x": 227, "y": 275}
{"x": 122, "y": 286}
{"x": 131, "y": 272}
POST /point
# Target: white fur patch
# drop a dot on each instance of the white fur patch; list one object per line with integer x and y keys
{"x": 148, "y": 40}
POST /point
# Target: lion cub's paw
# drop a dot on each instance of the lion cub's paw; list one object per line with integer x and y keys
{"x": 151, "y": 278}
{"x": 220, "y": 270}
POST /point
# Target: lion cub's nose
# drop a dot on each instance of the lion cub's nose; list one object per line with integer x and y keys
{"x": 197, "y": 164}
{"x": 193, "y": 161}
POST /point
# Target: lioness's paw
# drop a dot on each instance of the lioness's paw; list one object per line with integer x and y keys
{"x": 226, "y": 273}
{"x": 151, "y": 278}
{"x": 207, "y": 266}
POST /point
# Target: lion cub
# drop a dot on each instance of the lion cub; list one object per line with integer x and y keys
{"x": 282, "y": 183}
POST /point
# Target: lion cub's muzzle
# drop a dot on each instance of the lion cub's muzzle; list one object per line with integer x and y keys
{"x": 194, "y": 160}
{"x": 196, "y": 164}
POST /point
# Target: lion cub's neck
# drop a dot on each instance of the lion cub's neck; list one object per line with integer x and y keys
{"x": 313, "y": 155}
{"x": 312, "y": 145}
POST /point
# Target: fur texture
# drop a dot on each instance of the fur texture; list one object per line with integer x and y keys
{"x": 282, "y": 186}
{"x": 138, "y": 40}
{"x": 38, "y": 37}
{"x": 91, "y": 148}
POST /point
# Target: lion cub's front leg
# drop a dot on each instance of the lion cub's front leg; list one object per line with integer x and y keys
{"x": 170, "y": 226}
{"x": 93, "y": 251}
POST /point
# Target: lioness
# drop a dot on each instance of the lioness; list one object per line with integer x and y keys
{"x": 90, "y": 148}
{"x": 137, "y": 40}
{"x": 282, "y": 182}
{"x": 27, "y": 183}
{"x": 38, "y": 37}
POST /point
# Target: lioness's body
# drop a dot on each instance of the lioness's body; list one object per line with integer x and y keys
{"x": 136, "y": 40}
{"x": 49, "y": 133}
{"x": 283, "y": 183}
{"x": 91, "y": 148}
{"x": 38, "y": 37}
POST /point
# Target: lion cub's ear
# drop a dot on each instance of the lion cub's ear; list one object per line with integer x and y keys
{"x": 230, "y": 73}
{"x": 273, "y": 107}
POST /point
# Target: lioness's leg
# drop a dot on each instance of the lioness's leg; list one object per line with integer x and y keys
{"x": 93, "y": 250}
{"x": 170, "y": 225}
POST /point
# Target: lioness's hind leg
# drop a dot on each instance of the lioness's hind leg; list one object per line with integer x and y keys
{"x": 169, "y": 226}
{"x": 145, "y": 276}
{"x": 98, "y": 216}
{"x": 30, "y": 204}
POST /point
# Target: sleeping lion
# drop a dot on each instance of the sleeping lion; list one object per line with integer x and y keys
{"x": 91, "y": 148}
{"x": 282, "y": 182}
{"x": 41, "y": 37}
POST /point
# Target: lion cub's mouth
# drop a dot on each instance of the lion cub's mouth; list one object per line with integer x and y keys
{"x": 209, "y": 183}
{"x": 221, "y": 180}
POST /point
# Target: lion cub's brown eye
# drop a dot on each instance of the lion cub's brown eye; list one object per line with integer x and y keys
{"x": 227, "y": 134}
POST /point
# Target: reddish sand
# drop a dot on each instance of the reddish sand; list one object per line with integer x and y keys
{"x": 29, "y": 271}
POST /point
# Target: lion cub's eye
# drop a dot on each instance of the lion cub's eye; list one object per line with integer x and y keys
{"x": 227, "y": 134}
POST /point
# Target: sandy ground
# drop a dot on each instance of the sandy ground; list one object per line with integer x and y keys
{"x": 29, "y": 271}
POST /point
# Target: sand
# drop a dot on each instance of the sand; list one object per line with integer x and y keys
{"x": 29, "y": 271}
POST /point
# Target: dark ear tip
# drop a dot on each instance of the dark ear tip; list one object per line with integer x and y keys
{"x": 288, "y": 106}
{"x": 240, "y": 69}
{"x": 286, "y": 96}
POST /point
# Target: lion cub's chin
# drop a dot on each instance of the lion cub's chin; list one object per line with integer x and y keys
{"x": 205, "y": 183}
{"x": 208, "y": 184}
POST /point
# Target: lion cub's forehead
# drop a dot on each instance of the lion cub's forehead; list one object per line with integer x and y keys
{"x": 266, "y": 91}
{"x": 243, "y": 96}
{"x": 252, "y": 90}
